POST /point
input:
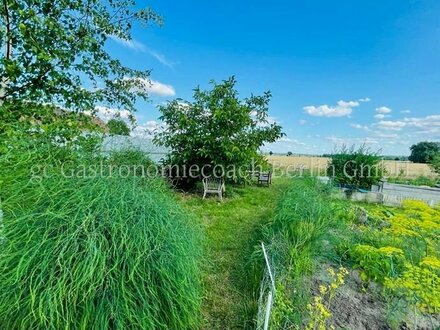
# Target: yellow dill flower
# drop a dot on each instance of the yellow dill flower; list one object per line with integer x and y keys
{"x": 431, "y": 262}
{"x": 416, "y": 206}
{"x": 390, "y": 250}
{"x": 401, "y": 231}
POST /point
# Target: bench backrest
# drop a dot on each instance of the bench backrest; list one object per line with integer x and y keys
{"x": 264, "y": 176}
{"x": 213, "y": 183}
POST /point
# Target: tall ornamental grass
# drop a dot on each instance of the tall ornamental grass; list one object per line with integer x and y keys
{"x": 95, "y": 253}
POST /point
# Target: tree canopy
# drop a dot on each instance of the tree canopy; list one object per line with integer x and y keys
{"x": 217, "y": 128}
{"x": 424, "y": 152}
{"x": 118, "y": 127}
{"x": 54, "y": 52}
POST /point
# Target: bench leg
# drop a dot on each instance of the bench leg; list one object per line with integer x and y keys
{"x": 204, "y": 194}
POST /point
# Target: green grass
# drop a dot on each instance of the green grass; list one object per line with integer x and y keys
{"x": 419, "y": 181}
{"x": 95, "y": 253}
{"x": 295, "y": 240}
{"x": 232, "y": 229}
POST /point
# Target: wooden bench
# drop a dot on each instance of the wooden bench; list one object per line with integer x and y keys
{"x": 265, "y": 178}
{"x": 213, "y": 186}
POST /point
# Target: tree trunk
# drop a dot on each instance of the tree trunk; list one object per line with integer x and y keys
{"x": 8, "y": 50}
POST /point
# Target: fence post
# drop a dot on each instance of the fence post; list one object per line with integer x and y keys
{"x": 272, "y": 291}
{"x": 268, "y": 308}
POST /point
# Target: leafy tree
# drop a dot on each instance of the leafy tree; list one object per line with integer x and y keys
{"x": 356, "y": 168}
{"x": 289, "y": 153}
{"x": 270, "y": 153}
{"x": 118, "y": 127}
{"x": 217, "y": 128}
{"x": 54, "y": 52}
{"x": 424, "y": 152}
{"x": 34, "y": 124}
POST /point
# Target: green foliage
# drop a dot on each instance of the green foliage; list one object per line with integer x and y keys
{"x": 424, "y": 152}
{"x": 378, "y": 263}
{"x": 217, "y": 128}
{"x": 52, "y": 49}
{"x": 418, "y": 181}
{"x": 419, "y": 285}
{"x": 28, "y": 124}
{"x": 399, "y": 248}
{"x": 435, "y": 163}
{"x": 94, "y": 253}
{"x": 294, "y": 239}
{"x": 356, "y": 167}
{"x": 118, "y": 127}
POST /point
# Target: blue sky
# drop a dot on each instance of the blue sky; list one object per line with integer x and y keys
{"x": 339, "y": 71}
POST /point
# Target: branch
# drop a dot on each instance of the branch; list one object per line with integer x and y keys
{"x": 8, "y": 49}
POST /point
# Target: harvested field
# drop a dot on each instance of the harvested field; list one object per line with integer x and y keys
{"x": 317, "y": 165}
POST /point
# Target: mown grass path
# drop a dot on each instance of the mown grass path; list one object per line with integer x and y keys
{"x": 232, "y": 229}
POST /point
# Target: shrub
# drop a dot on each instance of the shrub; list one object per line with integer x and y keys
{"x": 218, "y": 131}
{"x": 96, "y": 253}
{"x": 356, "y": 167}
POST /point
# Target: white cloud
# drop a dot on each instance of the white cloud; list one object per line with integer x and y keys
{"x": 383, "y": 110}
{"x": 380, "y": 134}
{"x": 350, "y": 141}
{"x": 157, "y": 88}
{"x": 359, "y": 126}
{"x": 154, "y": 87}
{"x": 380, "y": 116}
{"x": 161, "y": 58}
{"x": 140, "y": 47}
{"x": 302, "y": 122}
{"x": 391, "y": 125}
{"x": 366, "y": 99}
{"x": 284, "y": 144}
{"x": 342, "y": 109}
{"x": 132, "y": 43}
{"x": 417, "y": 125}
{"x": 405, "y": 111}
{"x": 106, "y": 114}
{"x": 148, "y": 129}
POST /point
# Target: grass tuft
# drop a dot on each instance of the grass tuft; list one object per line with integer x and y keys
{"x": 96, "y": 253}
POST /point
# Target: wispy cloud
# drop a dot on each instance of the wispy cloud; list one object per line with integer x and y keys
{"x": 161, "y": 58}
{"x": 365, "y": 99}
{"x": 361, "y": 127}
{"x": 132, "y": 44}
{"x": 341, "y": 109}
{"x": 140, "y": 47}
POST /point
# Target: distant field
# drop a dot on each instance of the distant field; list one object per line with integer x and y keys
{"x": 318, "y": 164}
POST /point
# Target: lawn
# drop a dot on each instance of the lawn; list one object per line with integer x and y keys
{"x": 232, "y": 229}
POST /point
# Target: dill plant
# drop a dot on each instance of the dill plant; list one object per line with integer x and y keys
{"x": 295, "y": 238}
